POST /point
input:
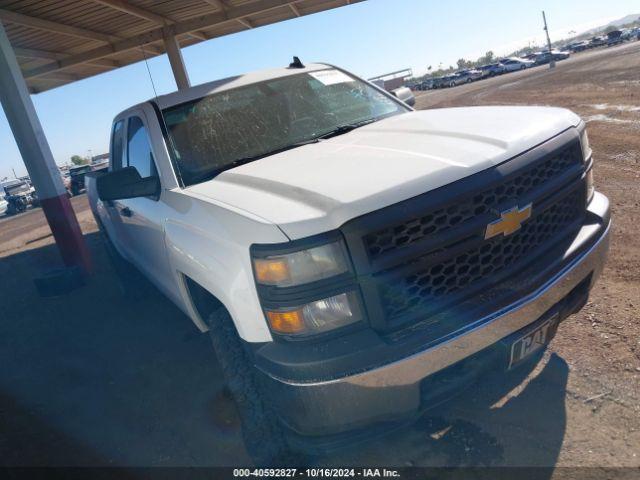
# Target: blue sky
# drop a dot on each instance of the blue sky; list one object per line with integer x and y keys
{"x": 368, "y": 38}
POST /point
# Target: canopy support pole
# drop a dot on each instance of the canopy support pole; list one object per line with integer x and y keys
{"x": 177, "y": 62}
{"x": 38, "y": 159}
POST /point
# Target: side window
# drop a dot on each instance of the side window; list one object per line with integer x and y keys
{"x": 117, "y": 145}
{"x": 139, "y": 154}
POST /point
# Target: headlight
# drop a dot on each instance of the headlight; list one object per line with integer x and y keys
{"x": 584, "y": 143}
{"x": 295, "y": 300}
{"x": 304, "y": 266}
{"x": 316, "y": 317}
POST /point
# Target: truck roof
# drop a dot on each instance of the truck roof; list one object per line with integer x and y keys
{"x": 198, "y": 91}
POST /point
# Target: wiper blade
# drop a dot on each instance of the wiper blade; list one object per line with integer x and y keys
{"x": 346, "y": 128}
{"x": 242, "y": 161}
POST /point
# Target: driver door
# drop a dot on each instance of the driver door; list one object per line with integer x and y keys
{"x": 142, "y": 217}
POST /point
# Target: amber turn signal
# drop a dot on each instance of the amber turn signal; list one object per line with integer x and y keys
{"x": 286, "y": 322}
{"x": 271, "y": 271}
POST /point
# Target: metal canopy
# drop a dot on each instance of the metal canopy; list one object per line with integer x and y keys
{"x": 62, "y": 41}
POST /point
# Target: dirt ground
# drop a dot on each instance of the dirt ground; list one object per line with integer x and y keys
{"x": 90, "y": 379}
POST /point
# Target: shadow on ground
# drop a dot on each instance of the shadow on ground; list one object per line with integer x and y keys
{"x": 89, "y": 379}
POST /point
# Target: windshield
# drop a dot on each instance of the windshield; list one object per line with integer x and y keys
{"x": 215, "y": 132}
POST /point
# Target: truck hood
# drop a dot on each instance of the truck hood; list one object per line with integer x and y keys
{"x": 318, "y": 187}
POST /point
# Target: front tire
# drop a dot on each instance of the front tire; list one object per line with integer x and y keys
{"x": 263, "y": 435}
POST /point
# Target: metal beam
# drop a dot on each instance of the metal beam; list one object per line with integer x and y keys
{"x": 245, "y": 23}
{"x": 49, "y": 55}
{"x": 49, "y": 26}
{"x": 37, "y": 157}
{"x": 177, "y": 62}
{"x": 219, "y": 4}
{"x": 294, "y": 9}
{"x": 126, "y": 7}
{"x": 179, "y": 28}
{"x": 143, "y": 13}
{"x": 223, "y": 6}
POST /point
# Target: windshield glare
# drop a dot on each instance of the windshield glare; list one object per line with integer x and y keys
{"x": 207, "y": 135}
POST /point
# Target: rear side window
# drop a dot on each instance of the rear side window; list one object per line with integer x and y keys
{"x": 117, "y": 145}
{"x": 139, "y": 153}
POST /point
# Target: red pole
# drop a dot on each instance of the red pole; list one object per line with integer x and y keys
{"x": 66, "y": 231}
{"x": 38, "y": 159}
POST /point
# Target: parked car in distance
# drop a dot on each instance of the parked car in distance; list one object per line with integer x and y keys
{"x": 19, "y": 195}
{"x": 598, "y": 41}
{"x": 560, "y": 54}
{"x": 614, "y": 38}
{"x": 439, "y": 82}
{"x": 514, "y": 63}
{"x": 492, "y": 69}
{"x": 354, "y": 261}
{"x": 627, "y": 34}
{"x": 424, "y": 85}
{"x": 448, "y": 80}
{"x": 469, "y": 74}
{"x": 578, "y": 46}
{"x": 4, "y": 205}
{"x": 546, "y": 56}
{"x": 76, "y": 177}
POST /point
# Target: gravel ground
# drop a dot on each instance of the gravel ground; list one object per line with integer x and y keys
{"x": 91, "y": 380}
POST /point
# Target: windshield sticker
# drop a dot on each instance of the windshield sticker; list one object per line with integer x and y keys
{"x": 331, "y": 77}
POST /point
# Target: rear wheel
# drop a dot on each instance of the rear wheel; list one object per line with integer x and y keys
{"x": 263, "y": 435}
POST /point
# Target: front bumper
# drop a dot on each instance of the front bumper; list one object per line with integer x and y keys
{"x": 395, "y": 390}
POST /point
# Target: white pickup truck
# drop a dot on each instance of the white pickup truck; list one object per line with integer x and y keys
{"x": 353, "y": 260}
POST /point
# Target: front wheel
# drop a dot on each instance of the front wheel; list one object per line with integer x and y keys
{"x": 263, "y": 435}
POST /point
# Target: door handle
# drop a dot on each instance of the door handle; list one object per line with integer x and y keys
{"x": 126, "y": 212}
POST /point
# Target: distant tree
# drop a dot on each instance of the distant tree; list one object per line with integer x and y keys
{"x": 462, "y": 63}
{"x": 489, "y": 57}
{"x": 78, "y": 160}
{"x": 610, "y": 28}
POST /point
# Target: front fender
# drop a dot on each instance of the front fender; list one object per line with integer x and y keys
{"x": 212, "y": 248}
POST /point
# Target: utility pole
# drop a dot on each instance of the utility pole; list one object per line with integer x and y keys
{"x": 552, "y": 62}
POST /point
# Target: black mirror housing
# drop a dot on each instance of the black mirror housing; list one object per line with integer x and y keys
{"x": 126, "y": 183}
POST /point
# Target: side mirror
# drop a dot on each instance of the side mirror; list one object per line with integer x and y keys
{"x": 126, "y": 183}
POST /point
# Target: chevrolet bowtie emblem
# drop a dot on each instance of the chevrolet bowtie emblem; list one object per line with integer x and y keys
{"x": 510, "y": 221}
